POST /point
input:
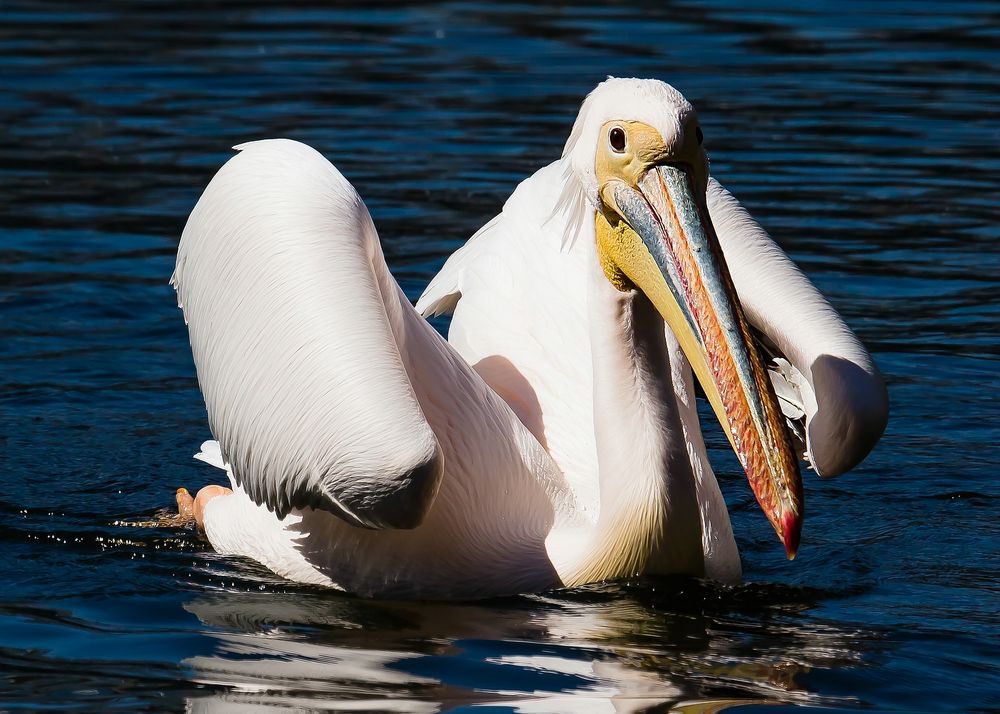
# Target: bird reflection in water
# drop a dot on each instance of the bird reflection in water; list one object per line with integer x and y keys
{"x": 593, "y": 649}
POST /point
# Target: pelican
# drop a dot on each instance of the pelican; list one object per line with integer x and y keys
{"x": 553, "y": 439}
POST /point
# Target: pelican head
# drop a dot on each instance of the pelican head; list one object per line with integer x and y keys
{"x": 636, "y": 152}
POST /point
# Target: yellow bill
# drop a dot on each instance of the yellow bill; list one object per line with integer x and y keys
{"x": 658, "y": 235}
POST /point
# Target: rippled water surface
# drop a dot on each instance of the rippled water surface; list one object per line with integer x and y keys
{"x": 863, "y": 135}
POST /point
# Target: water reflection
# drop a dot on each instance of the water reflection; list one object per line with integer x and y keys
{"x": 611, "y": 648}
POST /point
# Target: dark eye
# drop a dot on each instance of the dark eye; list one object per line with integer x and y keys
{"x": 617, "y": 139}
{"x": 700, "y": 135}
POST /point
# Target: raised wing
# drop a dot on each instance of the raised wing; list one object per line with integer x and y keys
{"x": 822, "y": 372}
{"x": 285, "y": 292}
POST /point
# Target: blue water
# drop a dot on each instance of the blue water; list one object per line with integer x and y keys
{"x": 863, "y": 135}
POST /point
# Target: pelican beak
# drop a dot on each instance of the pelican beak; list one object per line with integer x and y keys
{"x": 659, "y": 235}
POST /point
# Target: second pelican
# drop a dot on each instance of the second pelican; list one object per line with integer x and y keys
{"x": 554, "y": 439}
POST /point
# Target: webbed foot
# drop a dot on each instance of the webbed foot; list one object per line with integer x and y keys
{"x": 194, "y": 508}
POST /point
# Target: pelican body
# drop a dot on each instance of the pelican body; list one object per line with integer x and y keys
{"x": 553, "y": 439}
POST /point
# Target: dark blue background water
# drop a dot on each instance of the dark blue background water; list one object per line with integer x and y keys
{"x": 863, "y": 135}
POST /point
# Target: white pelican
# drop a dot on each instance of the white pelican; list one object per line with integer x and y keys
{"x": 553, "y": 440}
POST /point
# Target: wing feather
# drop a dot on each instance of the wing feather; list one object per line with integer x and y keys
{"x": 278, "y": 273}
{"x": 823, "y": 372}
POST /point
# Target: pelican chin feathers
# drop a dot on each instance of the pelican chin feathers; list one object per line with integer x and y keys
{"x": 553, "y": 438}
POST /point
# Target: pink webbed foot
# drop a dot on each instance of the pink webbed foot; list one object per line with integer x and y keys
{"x": 188, "y": 507}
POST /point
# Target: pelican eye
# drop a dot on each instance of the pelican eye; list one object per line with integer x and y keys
{"x": 701, "y": 137}
{"x": 616, "y": 137}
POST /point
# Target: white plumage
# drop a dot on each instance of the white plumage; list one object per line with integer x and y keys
{"x": 554, "y": 441}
